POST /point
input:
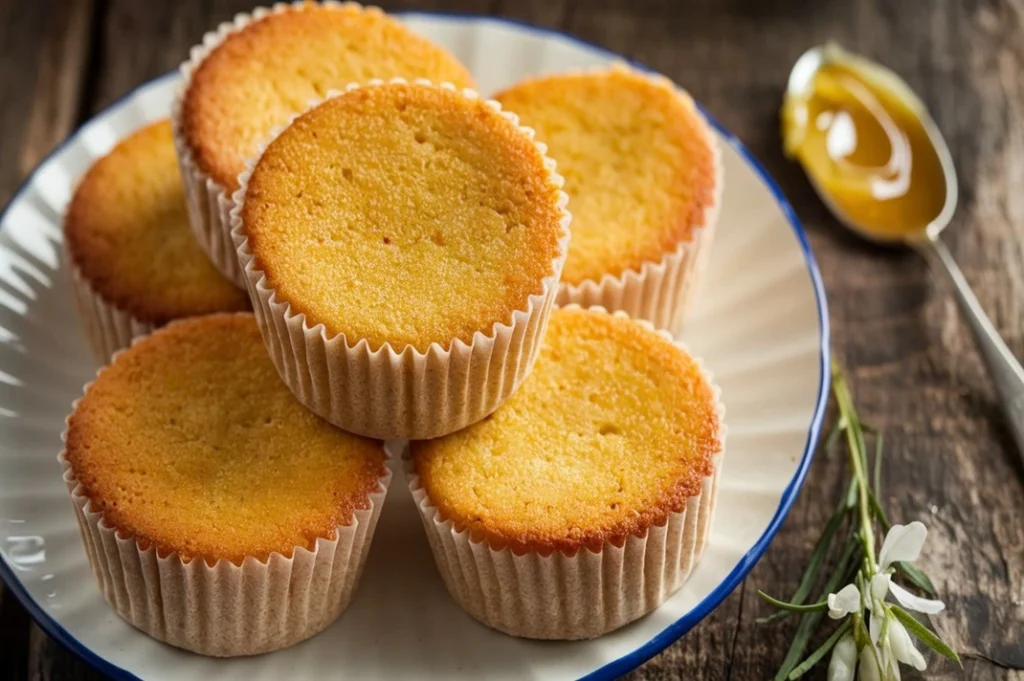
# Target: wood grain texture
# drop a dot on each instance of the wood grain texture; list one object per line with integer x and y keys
{"x": 914, "y": 371}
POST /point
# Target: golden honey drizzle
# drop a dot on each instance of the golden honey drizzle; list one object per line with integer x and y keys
{"x": 867, "y": 149}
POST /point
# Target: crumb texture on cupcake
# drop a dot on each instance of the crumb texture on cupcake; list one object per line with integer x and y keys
{"x": 190, "y": 443}
{"x": 615, "y": 429}
{"x": 404, "y": 214}
{"x": 260, "y": 76}
{"x": 126, "y": 230}
{"x": 638, "y": 161}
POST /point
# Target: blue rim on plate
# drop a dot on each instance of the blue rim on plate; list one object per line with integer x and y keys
{"x": 670, "y": 634}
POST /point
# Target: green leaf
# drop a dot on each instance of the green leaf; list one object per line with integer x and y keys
{"x": 793, "y": 607}
{"x": 851, "y": 494}
{"x": 815, "y": 657}
{"x": 878, "y": 512}
{"x": 863, "y": 638}
{"x": 858, "y": 454}
{"x": 809, "y": 623}
{"x": 828, "y": 444}
{"x": 917, "y": 577}
{"x": 814, "y": 563}
{"x": 862, "y": 449}
{"x": 877, "y": 482}
{"x": 924, "y": 634}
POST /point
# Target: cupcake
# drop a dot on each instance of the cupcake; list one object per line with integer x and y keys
{"x": 252, "y": 75}
{"x": 584, "y": 502}
{"x": 218, "y": 514}
{"x": 134, "y": 262}
{"x": 642, "y": 170}
{"x": 402, "y": 244}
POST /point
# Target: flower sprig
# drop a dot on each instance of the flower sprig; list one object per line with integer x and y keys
{"x": 874, "y": 636}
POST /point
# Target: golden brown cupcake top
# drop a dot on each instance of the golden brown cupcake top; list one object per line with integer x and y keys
{"x": 259, "y": 77}
{"x": 638, "y": 161}
{"x": 127, "y": 232}
{"x": 404, "y": 214}
{"x": 615, "y": 428}
{"x": 190, "y": 442}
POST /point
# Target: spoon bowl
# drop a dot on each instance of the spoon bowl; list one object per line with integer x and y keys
{"x": 1006, "y": 371}
{"x": 801, "y": 84}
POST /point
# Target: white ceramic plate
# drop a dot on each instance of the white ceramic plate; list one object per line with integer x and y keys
{"x": 761, "y": 327}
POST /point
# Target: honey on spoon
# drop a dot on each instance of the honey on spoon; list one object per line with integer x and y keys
{"x": 880, "y": 164}
{"x": 866, "y": 147}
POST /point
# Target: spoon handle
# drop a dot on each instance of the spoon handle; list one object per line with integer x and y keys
{"x": 1006, "y": 371}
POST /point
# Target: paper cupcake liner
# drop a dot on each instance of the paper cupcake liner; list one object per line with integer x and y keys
{"x": 568, "y": 597}
{"x": 661, "y": 292}
{"x": 224, "y": 609}
{"x": 405, "y": 393}
{"x": 107, "y": 327}
{"x": 209, "y": 204}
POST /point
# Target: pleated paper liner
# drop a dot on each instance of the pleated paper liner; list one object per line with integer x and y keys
{"x": 225, "y": 609}
{"x": 108, "y": 328}
{"x": 662, "y": 291}
{"x": 209, "y": 203}
{"x": 579, "y": 596}
{"x": 388, "y": 393}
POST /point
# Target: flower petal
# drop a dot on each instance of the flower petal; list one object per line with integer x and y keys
{"x": 844, "y": 660}
{"x": 902, "y": 543}
{"x": 843, "y": 603}
{"x": 915, "y": 603}
{"x": 869, "y": 670}
{"x": 903, "y": 647}
{"x": 890, "y": 665}
{"x": 880, "y": 584}
{"x": 892, "y": 670}
{"x": 875, "y": 626}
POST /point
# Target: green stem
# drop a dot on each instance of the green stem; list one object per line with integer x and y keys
{"x": 810, "y": 621}
{"x": 854, "y": 440}
{"x": 793, "y": 607}
{"x": 816, "y": 657}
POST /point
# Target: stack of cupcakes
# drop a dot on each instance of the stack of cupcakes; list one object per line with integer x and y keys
{"x": 403, "y": 245}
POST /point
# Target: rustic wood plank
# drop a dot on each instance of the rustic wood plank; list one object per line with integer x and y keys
{"x": 140, "y": 41}
{"x": 49, "y": 661}
{"x": 59, "y": 83}
{"x": 553, "y": 14}
{"x": 22, "y": 26}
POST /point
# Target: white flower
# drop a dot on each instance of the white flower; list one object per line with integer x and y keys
{"x": 845, "y": 602}
{"x": 869, "y": 670}
{"x": 902, "y": 544}
{"x": 902, "y": 646}
{"x": 891, "y": 644}
{"x": 898, "y": 648}
{"x": 890, "y": 668}
{"x": 844, "y": 659}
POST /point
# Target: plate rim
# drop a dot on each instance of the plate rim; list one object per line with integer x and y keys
{"x": 750, "y": 558}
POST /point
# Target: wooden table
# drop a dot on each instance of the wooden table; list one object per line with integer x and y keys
{"x": 950, "y": 461}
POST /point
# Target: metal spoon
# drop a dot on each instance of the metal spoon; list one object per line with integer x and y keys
{"x": 1006, "y": 371}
